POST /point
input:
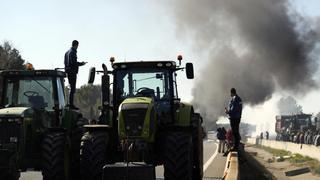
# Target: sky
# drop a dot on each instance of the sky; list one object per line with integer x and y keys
{"x": 42, "y": 30}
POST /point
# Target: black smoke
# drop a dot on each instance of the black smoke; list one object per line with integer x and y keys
{"x": 256, "y": 46}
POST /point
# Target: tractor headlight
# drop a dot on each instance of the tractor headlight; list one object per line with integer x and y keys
{"x": 13, "y": 139}
{"x": 16, "y": 120}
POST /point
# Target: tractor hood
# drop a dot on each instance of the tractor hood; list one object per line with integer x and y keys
{"x": 13, "y": 111}
{"x": 137, "y": 100}
{"x": 136, "y": 119}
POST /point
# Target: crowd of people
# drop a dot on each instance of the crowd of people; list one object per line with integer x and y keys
{"x": 301, "y": 137}
{"x": 225, "y": 140}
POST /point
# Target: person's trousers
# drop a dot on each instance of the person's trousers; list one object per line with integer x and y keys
{"x": 234, "y": 123}
{"x": 221, "y": 146}
{"x": 72, "y": 78}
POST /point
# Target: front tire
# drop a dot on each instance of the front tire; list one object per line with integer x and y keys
{"x": 178, "y": 160}
{"x": 12, "y": 173}
{"x": 93, "y": 155}
{"x": 54, "y": 166}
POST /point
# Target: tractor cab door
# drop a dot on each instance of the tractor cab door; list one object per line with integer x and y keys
{"x": 60, "y": 96}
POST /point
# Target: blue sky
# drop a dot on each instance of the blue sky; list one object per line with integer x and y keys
{"x": 126, "y": 29}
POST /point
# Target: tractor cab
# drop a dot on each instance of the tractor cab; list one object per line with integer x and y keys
{"x": 40, "y": 90}
{"x": 150, "y": 80}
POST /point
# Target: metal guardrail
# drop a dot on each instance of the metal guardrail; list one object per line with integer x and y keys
{"x": 231, "y": 169}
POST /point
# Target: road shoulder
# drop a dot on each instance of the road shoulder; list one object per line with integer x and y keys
{"x": 277, "y": 169}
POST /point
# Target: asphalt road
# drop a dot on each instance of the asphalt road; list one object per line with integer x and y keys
{"x": 214, "y": 163}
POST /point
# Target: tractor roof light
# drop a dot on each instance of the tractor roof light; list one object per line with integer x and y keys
{"x": 159, "y": 64}
{"x": 112, "y": 60}
{"x": 29, "y": 66}
{"x": 179, "y": 59}
{"x": 168, "y": 64}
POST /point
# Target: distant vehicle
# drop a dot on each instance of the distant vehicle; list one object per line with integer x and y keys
{"x": 292, "y": 124}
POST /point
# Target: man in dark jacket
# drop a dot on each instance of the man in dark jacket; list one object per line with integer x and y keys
{"x": 221, "y": 136}
{"x": 234, "y": 112}
{"x": 71, "y": 68}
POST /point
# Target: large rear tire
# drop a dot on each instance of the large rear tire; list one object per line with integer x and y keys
{"x": 197, "y": 142}
{"x": 54, "y": 165}
{"x": 178, "y": 160}
{"x": 12, "y": 173}
{"x": 93, "y": 155}
{"x": 75, "y": 152}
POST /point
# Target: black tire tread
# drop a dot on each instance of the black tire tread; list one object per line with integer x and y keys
{"x": 93, "y": 155}
{"x": 53, "y": 147}
{"x": 178, "y": 156}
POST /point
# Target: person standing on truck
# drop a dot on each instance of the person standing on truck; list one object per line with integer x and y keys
{"x": 71, "y": 66}
{"x": 234, "y": 111}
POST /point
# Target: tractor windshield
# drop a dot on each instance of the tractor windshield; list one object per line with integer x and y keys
{"x": 142, "y": 82}
{"x": 36, "y": 92}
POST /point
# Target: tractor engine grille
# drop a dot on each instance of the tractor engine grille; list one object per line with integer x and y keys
{"x": 134, "y": 117}
{"x": 10, "y": 130}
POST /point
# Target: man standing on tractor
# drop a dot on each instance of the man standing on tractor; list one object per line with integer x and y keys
{"x": 234, "y": 112}
{"x": 71, "y": 68}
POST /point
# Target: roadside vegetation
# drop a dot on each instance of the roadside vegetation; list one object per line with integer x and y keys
{"x": 295, "y": 159}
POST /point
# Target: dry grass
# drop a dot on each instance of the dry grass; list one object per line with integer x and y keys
{"x": 295, "y": 159}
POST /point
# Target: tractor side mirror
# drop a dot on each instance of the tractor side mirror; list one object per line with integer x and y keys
{"x": 92, "y": 75}
{"x": 189, "y": 70}
{"x": 105, "y": 69}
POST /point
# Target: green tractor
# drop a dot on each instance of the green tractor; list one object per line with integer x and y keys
{"x": 144, "y": 125}
{"x": 37, "y": 129}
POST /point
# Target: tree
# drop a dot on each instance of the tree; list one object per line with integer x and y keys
{"x": 10, "y": 57}
{"x": 87, "y": 98}
{"x": 288, "y": 105}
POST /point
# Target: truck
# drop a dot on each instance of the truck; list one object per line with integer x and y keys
{"x": 144, "y": 125}
{"x": 292, "y": 124}
{"x": 37, "y": 129}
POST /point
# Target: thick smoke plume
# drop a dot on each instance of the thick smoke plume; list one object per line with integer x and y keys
{"x": 256, "y": 46}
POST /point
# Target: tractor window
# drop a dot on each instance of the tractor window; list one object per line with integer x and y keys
{"x": 60, "y": 91}
{"x": 143, "y": 83}
{"x": 175, "y": 91}
{"x": 34, "y": 92}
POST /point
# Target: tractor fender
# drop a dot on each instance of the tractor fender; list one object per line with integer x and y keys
{"x": 97, "y": 127}
{"x": 183, "y": 114}
{"x": 57, "y": 129}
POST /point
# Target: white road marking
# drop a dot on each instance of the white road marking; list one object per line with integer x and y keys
{"x": 207, "y": 164}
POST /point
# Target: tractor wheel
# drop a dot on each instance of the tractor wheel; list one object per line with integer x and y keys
{"x": 10, "y": 175}
{"x": 197, "y": 142}
{"x": 13, "y": 175}
{"x": 12, "y": 172}
{"x": 53, "y": 156}
{"x": 75, "y": 152}
{"x": 93, "y": 155}
{"x": 178, "y": 160}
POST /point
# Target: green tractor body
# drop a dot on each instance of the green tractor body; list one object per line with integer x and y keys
{"x": 36, "y": 129}
{"x": 145, "y": 122}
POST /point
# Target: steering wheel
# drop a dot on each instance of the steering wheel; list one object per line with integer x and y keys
{"x": 30, "y": 93}
{"x": 145, "y": 91}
